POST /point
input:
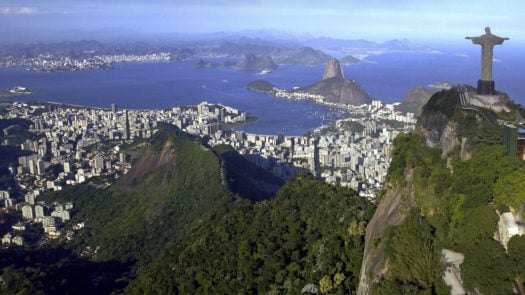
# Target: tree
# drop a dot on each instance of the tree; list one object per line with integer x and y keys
{"x": 413, "y": 254}
{"x": 325, "y": 284}
{"x": 356, "y": 228}
{"x": 487, "y": 268}
{"x": 339, "y": 279}
{"x": 509, "y": 189}
{"x": 476, "y": 225}
{"x": 516, "y": 252}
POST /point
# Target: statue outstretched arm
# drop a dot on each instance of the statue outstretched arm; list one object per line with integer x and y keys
{"x": 475, "y": 40}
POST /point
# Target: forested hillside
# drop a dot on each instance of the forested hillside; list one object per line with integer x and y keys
{"x": 308, "y": 237}
{"x": 184, "y": 220}
{"x": 452, "y": 202}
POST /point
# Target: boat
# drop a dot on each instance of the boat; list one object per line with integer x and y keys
{"x": 20, "y": 90}
{"x": 265, "y": 71}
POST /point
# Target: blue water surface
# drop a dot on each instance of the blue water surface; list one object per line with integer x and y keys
{"x": 387, "y": 77}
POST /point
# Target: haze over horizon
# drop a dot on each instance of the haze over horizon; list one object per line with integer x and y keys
{"x": 377, "y": 20}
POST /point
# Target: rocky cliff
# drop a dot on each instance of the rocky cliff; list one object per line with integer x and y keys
{"x": 340, "y": 91}
{"x": 445, "y": 126}
{"x": 333, "y": 69}
{"x": 390, "y": 212}
{"x": 335, "y": 88}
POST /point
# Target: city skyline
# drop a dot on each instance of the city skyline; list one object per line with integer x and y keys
{"x": 377, "y": 20}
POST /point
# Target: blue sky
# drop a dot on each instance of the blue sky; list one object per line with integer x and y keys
{"x": 377, "y": 20}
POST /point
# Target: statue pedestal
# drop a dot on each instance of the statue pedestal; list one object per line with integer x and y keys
{"x": 496, "y": 102}
{"x": 486, "y": 87}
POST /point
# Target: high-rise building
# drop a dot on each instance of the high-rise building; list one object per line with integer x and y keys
{"x": 8, "y": 202}
{"x": 27, "y": 212}
{"x": 39, "y": 211}
{"x": 514, "y": 141}
{"x": 4, "y": 195}
{"x": 62, "y": 214}
{"x": 30, "y": 198}
{"x": 32, "y": 167}
{"x": 113, "y": 107}
{"x": 40, "y": 167}
{"x": 98, "y": 163}
{"x": 67, "y": 167}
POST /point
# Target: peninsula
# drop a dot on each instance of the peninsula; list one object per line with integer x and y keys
{"x": 334, "y": 89}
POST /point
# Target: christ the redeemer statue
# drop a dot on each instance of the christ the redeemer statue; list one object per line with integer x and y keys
{"x": 487, "y": 42}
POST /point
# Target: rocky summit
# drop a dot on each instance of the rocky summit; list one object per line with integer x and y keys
{"x": 333, "y": 69}
{"x": 335, "y": 88}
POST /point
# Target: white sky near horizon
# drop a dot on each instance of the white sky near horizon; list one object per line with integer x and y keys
{"x": 376, "y": 20}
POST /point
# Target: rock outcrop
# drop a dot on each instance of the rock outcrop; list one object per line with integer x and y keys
{"x": 338, "y": 91}
{"x": 389, "y": 212}
{"x": 333, "y": 70}
{"x": 335, "y": 88}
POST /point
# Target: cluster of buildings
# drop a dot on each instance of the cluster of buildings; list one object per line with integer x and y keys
{"x": 72, "y": 144}
{"x": 376, "y": 109}
{"x": 50, "y": 216}
{"x": 281, "y": 93}
{"x": 50, "y": 62}
{"x": 337, "y": 154}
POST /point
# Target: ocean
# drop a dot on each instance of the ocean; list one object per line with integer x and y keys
{"x": 387, "y": 77}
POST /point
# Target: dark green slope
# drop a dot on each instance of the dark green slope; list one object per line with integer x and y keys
{"x": 446, "y": 201}
{"x": 176, "y": 188}
{"x": 311, "y": 232}
{"x": 172, "y": 189}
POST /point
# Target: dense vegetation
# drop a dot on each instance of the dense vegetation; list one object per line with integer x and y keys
{"x": 261, "y": 86}
{"x": 456, "y": 206}
{"x": 455, "y": 212}
{"x": 310, "y": 233}
{"x": 173, "y": 189}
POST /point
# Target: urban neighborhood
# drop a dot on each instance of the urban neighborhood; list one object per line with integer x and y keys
{"x": 73, "y": 144}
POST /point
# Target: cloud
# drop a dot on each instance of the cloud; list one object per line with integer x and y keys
{"x": 21, "y": 10}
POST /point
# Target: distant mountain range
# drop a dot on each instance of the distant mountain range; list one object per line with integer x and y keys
{"x": 309, "y": 52}
{"x": 248, "y": 62}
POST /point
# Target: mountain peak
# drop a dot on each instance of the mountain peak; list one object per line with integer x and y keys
{"x": 333, "y": 69}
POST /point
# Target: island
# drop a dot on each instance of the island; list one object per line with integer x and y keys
{"x": 207, "y": 64}
{"x": 262, "y": 86}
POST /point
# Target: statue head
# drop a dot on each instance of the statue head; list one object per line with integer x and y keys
{"x": 487, "y": 30}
